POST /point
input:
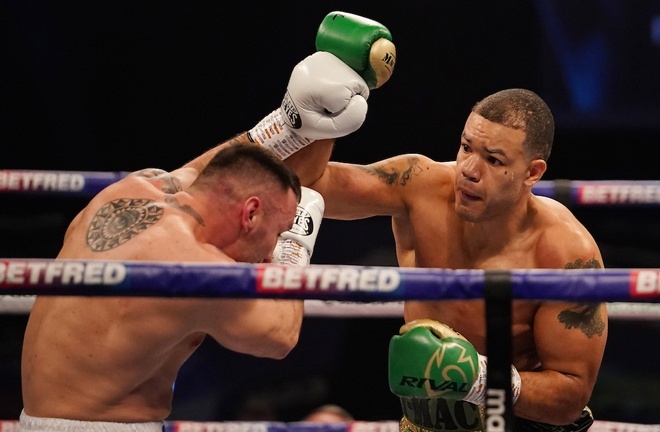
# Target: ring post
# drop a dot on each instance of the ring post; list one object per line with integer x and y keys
{"x": 498, "y": 294}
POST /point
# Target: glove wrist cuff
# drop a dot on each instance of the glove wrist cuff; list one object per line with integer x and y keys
{"x": 273, "y": 133}
{"x": 477, "y": 393}
{"x": 290, "y": 252}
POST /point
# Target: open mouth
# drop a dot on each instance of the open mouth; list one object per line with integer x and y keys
{"x": 466, "y": 195}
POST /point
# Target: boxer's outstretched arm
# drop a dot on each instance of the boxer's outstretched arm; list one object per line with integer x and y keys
{"x": 387, "y": 188}
{"x": 310, "y": 162}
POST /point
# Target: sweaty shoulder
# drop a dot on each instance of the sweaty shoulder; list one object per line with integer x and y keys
{"x": 563, "y": 241}
{"x": 161, "y": 179}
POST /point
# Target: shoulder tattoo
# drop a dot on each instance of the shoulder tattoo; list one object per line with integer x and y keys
{"x": 393, "y": 176}
{"x": 578, "y": 264}
{"x": 585, "y": 316}
{"x": 120, "y": 220}
{"x": 171, "y": 200}
{"x": 171, "y": 184}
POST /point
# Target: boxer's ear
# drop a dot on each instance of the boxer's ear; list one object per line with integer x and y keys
{"x": 537, "y": 168}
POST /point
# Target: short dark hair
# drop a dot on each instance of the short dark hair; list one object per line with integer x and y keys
{"x": 251, "y": 162}
{"x": 523, "y": 110}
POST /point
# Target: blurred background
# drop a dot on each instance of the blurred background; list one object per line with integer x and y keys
{"x": 123, "y": 85}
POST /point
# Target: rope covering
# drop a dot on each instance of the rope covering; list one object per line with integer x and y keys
{"x": 334, "y": 309}
{"x": 323, "y": 282}
{"x": 569, "y": 192}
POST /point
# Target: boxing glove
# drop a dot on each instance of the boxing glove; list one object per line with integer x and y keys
{"x": 327, "y": 93}
{"x": 295, "y": 247}
{"x": 363, "y": 44}
{"x": 429, "y": 359}
{"x": 325, "y": 99}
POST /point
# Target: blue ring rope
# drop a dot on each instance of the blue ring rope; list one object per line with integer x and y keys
{"x": 324, "y": 282}
{"x": 570, "y": 192}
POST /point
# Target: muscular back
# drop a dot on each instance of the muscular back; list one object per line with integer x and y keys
{"x": 120, "y": 355}
{"x": 115, "y": 359}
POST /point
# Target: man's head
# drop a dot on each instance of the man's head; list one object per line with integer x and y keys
{"x": 522, "y": 110}
{"x": 505, "y": 144}
{"x": 257, "y": 191}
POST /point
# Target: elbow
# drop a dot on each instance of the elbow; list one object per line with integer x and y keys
{"x": 572, "y": 410}
{"x": 284, "y": 345}
{"x": 569, "y": 415}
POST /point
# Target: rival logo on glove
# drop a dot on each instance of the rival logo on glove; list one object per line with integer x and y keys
{"x": 442, "y": 385}
{"x": 291, "y": 114}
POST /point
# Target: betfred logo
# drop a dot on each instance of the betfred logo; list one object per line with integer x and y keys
{"x": 645, "y": 283}
{"x": 26, "y": 273}
{"x": 619, "y": 194}
{"x": 272, "y": 278}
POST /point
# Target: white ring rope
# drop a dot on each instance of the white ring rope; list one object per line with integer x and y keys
{"x": 20, "y": 305}
{"x": 354, "y": 426}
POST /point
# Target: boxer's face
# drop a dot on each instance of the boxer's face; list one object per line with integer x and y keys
{"x": 273, "y": 216}
{"x": 491, "y": 169}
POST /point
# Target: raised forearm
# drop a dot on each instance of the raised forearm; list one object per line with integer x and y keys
{"x": 310, "y": 162}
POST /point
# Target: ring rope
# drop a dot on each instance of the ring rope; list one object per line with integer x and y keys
{"x": 322, "y": 282}
{"x": 21, "y": 305}
{"x": 353, "y": 426}
{"x": 569, "y": 192}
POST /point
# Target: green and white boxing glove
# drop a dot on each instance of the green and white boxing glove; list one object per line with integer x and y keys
{"x": 430, "y": 360}
{"x": 363, "y": 44}
{"x": 326, "y": 97}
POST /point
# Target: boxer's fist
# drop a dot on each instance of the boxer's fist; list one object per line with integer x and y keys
{"x": 363, "y": 44}
{"x": 327, "y": 92}
{"x": 429, "y": 359}
{"x": 295, "y": 247}
{"x": 325, "y": 99}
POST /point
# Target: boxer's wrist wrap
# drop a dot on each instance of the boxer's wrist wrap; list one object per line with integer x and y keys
{"x": 477, "y": 394}
{"x": 289, "y": 251}
{"x": 272, "y": 133}
{"x": 296, "y": 246}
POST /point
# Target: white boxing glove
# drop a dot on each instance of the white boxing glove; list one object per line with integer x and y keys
{"x": 325, "y": 98}
{"x": 295, "y": 247}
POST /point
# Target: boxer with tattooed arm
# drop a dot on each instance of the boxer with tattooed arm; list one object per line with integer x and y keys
{"x": 479, "y": 212}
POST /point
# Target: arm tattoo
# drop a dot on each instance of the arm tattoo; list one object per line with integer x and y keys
{"x": 120, "y": 220}
{"x": 170, "y": 185}
{"x": 394, "y": 176}
{"x": 585, "y": 316}
{"x": 171, "y": 200}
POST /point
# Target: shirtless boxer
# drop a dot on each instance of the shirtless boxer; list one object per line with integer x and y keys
{"x": 109, "y": 364}
{"x": 106, "y": 359}
{"x": 478, "y": 212}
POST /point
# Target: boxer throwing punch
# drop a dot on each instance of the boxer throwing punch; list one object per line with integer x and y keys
{"x": 478, "y": 212}
{"x": 109, "y": 364}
